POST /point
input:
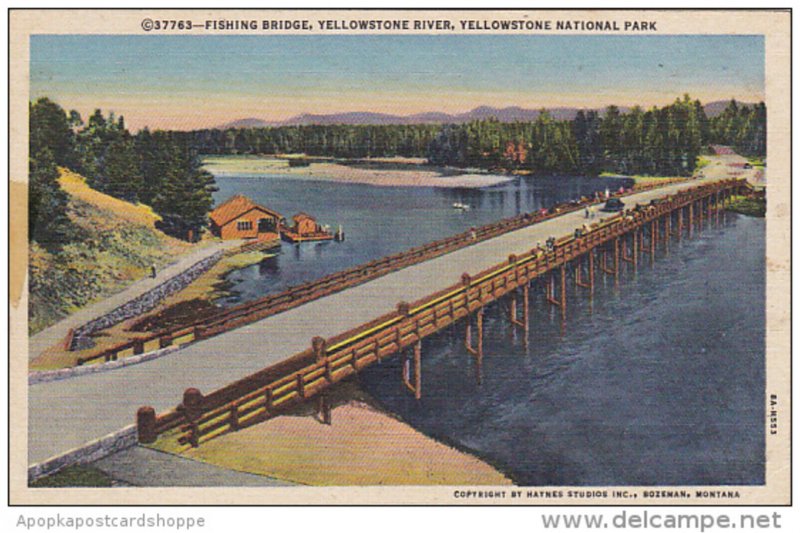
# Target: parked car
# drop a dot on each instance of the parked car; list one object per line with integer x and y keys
{"x": 613, "y": 205}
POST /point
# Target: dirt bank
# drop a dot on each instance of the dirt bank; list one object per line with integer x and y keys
{"x": 364, "y": 445}
{"x": 383, "y": 172}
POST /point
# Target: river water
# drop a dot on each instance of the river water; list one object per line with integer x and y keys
{"x": 379, "y": 221}
{"x": 657, "y": 382}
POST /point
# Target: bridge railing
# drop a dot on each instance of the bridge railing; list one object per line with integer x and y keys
{"x": 269, "y": 391}
{"x": 250, "y": 312}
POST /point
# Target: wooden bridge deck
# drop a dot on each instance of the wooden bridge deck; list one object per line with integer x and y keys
{"x": 68, "y": 413}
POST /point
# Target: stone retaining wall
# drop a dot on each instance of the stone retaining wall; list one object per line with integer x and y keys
{"x": 141, "y": 304}
{"x": 88, "y": 453}
{"x": 41, "y": 376}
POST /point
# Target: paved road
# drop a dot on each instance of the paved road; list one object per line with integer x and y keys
{"x": 58, "y": 331}
{"x": 65, "y": 414}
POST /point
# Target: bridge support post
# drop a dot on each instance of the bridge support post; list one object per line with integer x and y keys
{"x": 551, "y": 289}
{"x": 416, "y": 385}
{"x": 640, "y": 233}
{"x": 525, "y": 312}
{"x": 477, "y": 349}
{"x": 512, "y": 312}
{"x": 579, "y": 273}
{"x": 701, "y": 208}
{"x": 667, "y": 231}
{"x": 418, "y": 370}
{"x": 680, "y": 223}
{"x": 691, "y": 219}
{"x": 616, "y": 262}
{"x": 653, "y": 240}
{"x": 561, "y": 301}
{"x": 324, "y": 409}
{"x": 633, "y": 257}
{"x": 563, "y": 295}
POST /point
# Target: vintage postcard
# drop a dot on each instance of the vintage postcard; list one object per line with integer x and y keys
{"x": 432, "y": 257}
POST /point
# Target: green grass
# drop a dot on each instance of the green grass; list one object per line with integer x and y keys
{"x": 74, "y": 476}
{"x": 757, "y": 161}
{"x": 702, "y": 162}
{"x": 111, "y": 244}
{"x": 753, "y": 207}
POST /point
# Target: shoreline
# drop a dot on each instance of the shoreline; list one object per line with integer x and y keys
{"x": 386, "y": 172}
{"x": 359, "y": 448}
{"x": 195, "y": 300}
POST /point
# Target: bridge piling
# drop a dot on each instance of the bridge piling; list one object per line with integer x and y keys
{"x": 640, "y": 233}
{"x": 477, "y": 349}
{"x": 590, "y": 259}
{"x": 626, "y": 256}
{"x": 526, "y": 313}
{"x": 563, "y": 295}
{"x": 324, "y": 409}
{"x": 653, "y": 240}
{"x": 604, "y": 262}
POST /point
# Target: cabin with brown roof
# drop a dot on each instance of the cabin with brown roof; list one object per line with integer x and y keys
{"x": 305, "y": 228}
{"x": 305, "y": 224}
{"x": 241, "y": 218}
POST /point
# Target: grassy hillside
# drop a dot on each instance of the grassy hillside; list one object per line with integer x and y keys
{"x": 115, "y": 243}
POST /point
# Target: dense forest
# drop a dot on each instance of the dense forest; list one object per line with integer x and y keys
{"x": 163, "y": 169}
{"x": 658, "y": 141}
{"x": 152, "y": 168}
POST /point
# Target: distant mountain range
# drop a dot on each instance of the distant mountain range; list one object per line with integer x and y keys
{"x": 504, "y": 114}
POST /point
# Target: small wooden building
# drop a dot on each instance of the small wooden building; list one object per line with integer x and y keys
{"x": 305, "y": 224}
{"x": 241, "y": 218}
{"x": 305, "y": 228}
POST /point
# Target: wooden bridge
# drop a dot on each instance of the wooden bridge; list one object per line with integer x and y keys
{"x": 596, "y": 250}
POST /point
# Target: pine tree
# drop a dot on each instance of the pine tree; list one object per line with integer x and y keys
{"x": 120, "y": 173}
{"x": 48, "y": 223}
{"x": 49, "y": 128}
{"x": 185, "y": 197}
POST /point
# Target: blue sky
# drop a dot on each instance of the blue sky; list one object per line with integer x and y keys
{"x": 192, "y": 81}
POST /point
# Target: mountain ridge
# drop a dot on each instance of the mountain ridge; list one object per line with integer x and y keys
{"x": 503, "y": 114}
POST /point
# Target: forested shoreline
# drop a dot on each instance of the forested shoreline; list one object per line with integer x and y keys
{"x": 163, "y": 169}
{"x": 658, "y": 141}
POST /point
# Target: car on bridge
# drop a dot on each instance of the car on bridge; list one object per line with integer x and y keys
{"x": 613, "y": 205}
